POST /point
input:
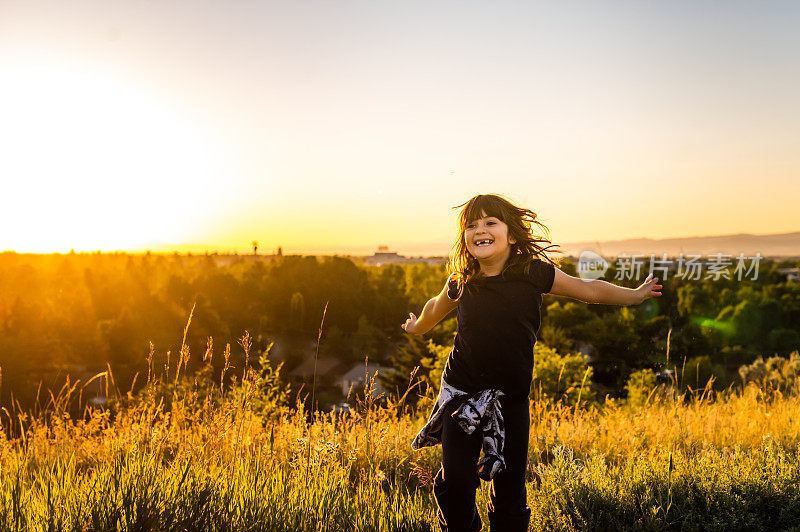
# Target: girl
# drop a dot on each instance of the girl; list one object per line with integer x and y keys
{"x": 497, "y": 279}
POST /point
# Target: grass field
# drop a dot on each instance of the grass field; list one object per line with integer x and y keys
{"x": 185, "y": 454}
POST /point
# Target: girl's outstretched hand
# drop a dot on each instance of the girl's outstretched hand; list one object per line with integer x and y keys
{"x": 648, "y": 289}
{"x": 410, "y": 326}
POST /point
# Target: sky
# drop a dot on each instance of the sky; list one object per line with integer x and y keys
{"x": 338, "y": 126}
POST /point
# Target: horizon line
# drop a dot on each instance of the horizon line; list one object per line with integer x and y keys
{"x": 195, "y": 248}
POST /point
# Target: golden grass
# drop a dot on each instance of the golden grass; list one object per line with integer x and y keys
{"x": 184, "y": 453}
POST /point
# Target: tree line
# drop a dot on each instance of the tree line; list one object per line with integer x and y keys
{"x": 67, "y": 313}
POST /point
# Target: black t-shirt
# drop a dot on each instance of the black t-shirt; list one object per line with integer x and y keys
{"x": 498, "y": 324}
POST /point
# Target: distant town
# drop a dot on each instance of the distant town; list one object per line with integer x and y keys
{"x": 383, "y": 255}
{"x": 776, "y": 245}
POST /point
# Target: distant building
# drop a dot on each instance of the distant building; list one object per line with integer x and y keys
{"x": 357, "y": 375}
{"x": 287, "y": 346}
{"x": 383, "y": 256}
{"x": 324, "y": 368}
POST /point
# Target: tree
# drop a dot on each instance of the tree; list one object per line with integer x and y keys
{"x": 366, "y": 340}
{"x": 417, "y": 352}
{"x": 557, "y": 378}
{"x": 639, "y": 386}
{"x": 389, "y": 302}
{"x": 298, "y": 311}
{"x": 335, "y": 344}
{"x": 422, "y": 283}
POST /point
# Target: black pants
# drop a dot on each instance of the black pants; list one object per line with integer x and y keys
{"x": 456, "y": 482}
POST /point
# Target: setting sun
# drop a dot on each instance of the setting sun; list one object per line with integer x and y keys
{"x": 97, "y": 162}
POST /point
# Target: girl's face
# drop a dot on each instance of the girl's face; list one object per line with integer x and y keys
{"x": 487, "y": 239}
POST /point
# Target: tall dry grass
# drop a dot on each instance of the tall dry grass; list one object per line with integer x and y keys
{"x": 188, "y": 453}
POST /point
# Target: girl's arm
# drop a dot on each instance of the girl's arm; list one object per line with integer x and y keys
{"x": 435, "y": 309}
{"x": 602, "y": 292}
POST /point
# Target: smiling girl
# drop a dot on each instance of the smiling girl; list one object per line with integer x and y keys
{"x": 497, "y": 280}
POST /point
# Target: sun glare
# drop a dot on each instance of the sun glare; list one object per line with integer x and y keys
{"x": 90, "y": 161}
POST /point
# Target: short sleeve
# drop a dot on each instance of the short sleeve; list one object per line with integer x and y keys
{"x": 542, "y": 274}
{"x": 452, "y": 288}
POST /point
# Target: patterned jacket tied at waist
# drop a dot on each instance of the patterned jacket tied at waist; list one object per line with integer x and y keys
{"x": 481, "y": 412}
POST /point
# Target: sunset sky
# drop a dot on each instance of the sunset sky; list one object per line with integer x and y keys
{"x": 337, "y": 126}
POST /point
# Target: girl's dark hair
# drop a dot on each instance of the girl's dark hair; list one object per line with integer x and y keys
{"x": 464, "y": 267}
